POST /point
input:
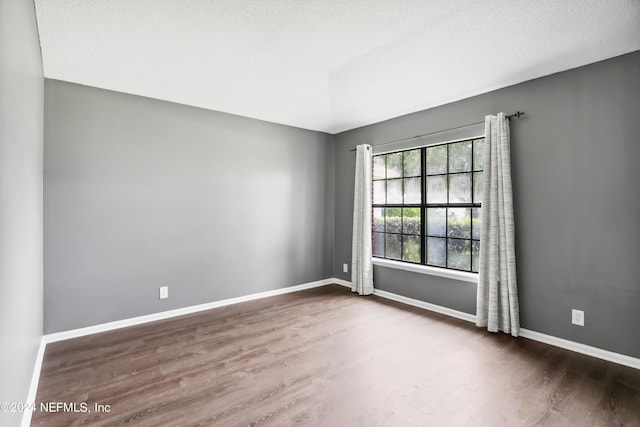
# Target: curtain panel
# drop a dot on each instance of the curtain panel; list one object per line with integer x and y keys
{"x": 361, "y": 251}
{"x": 497, "y": 302}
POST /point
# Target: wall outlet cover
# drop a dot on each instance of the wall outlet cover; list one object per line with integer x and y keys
{"x": 164, "y": 292}
{"x": 345, "y": 268}
{"x": 577, "y": 317}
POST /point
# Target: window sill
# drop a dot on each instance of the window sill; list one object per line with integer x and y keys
{"x": 425, "y": 269}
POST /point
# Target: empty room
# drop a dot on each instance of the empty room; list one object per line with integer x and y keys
{"x": 319, "y": 213}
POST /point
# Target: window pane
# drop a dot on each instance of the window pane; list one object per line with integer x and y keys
{"x": 394, "y": 220}
{"x": 459, "y": 223}
{"x": 475, "y": 255}
{"x": 436, "y": 159}
{"x": 460, "y": 188}
{"x": 392, "y": 246}
{"x": 437, "y": 222}
{"x": 412, "y": 190}
{"x": 459, "y": 254}
{"x": 412, "y": 163}
{"x": 394, "y": 191}
{"x": 378, "y": 167}
{"x": 379, "y": 192}
{"x": 476, "y": 215}
{"x": 411, "y": 221}
{"x": 394, "y": 165}
{"x": 437, "y": 189}
{"x": 460, "y": 156}
{"x": 436, "y": 251}
{"x": 378, "y": 244}
{"x": 478, "y": 154}
{"x": 449, "y": 237}
{"x": 378, "y": 219}
{"x": 411, "y": 248}
{"x": 477, "y": 187}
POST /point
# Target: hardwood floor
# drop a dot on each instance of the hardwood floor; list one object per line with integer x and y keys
{"x": 324, "y": 357}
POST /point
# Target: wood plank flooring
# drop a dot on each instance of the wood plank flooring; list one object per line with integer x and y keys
{"x": 325, "y": 357}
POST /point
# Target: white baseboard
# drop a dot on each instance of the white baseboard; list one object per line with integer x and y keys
{"x": 607, "y": 355}
{"x": 588, "y": 350}
{"x": 536, "y": 336}
{"x": 341, "y": 282}
{"x": 33, "y": 386}
{"x": 74, "y": 333}
{"x": 427, "y": 306}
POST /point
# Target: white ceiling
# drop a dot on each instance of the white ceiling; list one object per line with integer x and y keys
{"x": 327, "y": 65}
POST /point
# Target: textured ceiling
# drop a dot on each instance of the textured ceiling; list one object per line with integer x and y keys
{"x": 327, "y": 65}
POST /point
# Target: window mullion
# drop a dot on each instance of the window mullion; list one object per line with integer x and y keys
{"x": 446, "y": 216}
{"x": 454, "y": 247}
{"x": 402, "y": 209}
{"x": 471, "y": 208}
{"x": 423, "y": 210}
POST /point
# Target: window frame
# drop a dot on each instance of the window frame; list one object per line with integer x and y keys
{"x": 474, "y": 207}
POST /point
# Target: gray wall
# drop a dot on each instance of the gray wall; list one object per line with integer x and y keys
{"x": 141, "y": 193}
{"x": 21, "y": 105}
{"x": 576, "y": 177}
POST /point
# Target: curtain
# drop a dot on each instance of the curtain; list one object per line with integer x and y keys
{"x": 361, "y": 262}
{"x": 497, "y": 303}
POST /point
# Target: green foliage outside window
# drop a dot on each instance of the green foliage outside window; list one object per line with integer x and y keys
{"x": 427, "y": 204}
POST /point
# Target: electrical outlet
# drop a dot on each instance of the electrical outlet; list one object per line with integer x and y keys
{"x": 345, "y": 268}
{"x": 577, "y": 317}
{"x": 164, "y": 292}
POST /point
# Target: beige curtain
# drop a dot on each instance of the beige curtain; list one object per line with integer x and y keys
{"x": 497, "y": 303}
{"x": 361, "y": 262}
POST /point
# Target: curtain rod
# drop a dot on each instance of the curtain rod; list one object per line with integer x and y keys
{"x": 517, "y": 115}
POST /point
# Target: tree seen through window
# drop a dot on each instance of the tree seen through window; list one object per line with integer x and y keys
{"x": 427, "y": 205}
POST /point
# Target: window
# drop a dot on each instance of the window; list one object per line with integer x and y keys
{"x": 427, "y": 205}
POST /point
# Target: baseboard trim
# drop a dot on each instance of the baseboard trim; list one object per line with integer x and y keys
{"x": 33, "y": 386}
{"x": 341, "y": 282}
{"x": 588, "y": 350}
{"x": 133, "y": 321}
{"x": 425, "y": 305}
{"x": 599, "y": 353}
